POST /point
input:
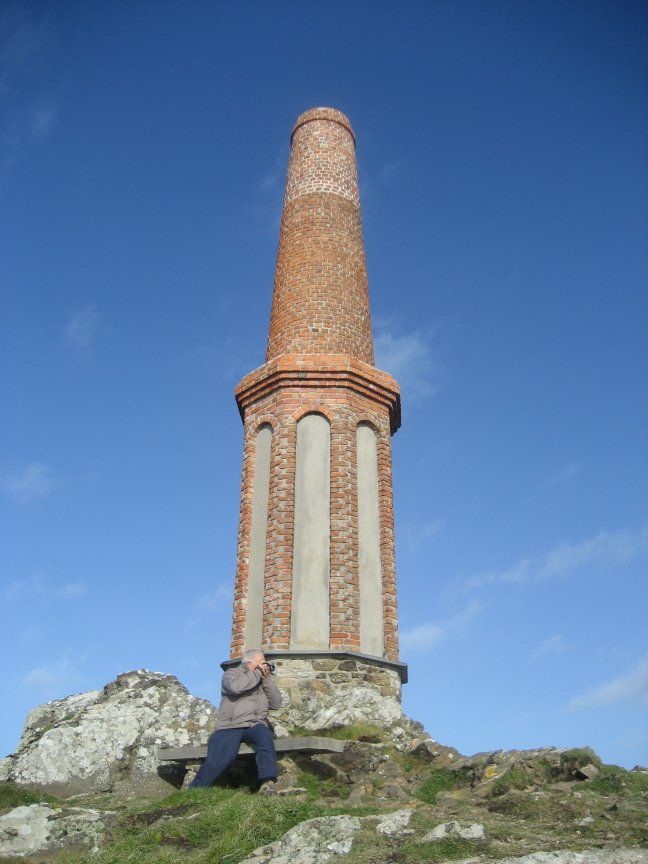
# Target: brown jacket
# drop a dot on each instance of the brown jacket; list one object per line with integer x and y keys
{"x": 246, "y": 698}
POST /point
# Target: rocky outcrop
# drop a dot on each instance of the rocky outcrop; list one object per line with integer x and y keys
{"x": 319, "y": 841}
{"x": 41, "y": 830}
{"x": 107, "y": 741}
{"x": 492, "y": 804}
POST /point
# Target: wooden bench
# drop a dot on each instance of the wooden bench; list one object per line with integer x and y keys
{"x": 304, "y": 744}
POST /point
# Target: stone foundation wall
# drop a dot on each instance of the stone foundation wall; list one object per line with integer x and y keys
{"x": 329, "y": 692}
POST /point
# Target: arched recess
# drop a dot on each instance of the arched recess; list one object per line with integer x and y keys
{"x": 372, "y": 636}
{"x": 309, "y": 628}
{"x": 258, "y": 530}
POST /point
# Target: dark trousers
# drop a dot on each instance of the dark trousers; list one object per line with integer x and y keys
{"x": 223, "y": 747}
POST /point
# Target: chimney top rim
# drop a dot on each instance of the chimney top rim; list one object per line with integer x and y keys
{"x": 332, "y": 115}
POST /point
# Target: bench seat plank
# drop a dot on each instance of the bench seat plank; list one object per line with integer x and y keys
{"x": 304, "y": 744}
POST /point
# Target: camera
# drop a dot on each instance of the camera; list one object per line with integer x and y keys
{"x": 270, "y": 667}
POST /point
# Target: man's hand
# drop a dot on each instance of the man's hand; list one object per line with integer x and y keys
{"x": 262, "y": 668}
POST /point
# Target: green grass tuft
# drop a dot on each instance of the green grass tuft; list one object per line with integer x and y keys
{"x": 207, "y": 826}
{"x": 17, "y": 796}
{"x": 440, "y": 780}
{"x": 515, "y": 778}
{"x": 365, "y": 732}
{"x": 613, "y": 780}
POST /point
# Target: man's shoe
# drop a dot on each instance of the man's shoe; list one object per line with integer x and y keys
{"x": 268, "y": 787}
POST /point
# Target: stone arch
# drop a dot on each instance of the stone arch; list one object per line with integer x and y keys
{"x": 314, "y": 408}
{"x": 265, "y": 420}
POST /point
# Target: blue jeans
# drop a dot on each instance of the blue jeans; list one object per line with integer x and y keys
{"x": 223, "y": 747}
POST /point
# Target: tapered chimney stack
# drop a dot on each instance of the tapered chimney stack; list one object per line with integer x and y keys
{"x": 321, "y": 301}
{"x": 315, "y": 573}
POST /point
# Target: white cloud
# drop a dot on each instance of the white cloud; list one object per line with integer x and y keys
{"x": 563, "y": 475}
{"x": 554, "y": 644}
{"x": 71, "y": 589}
{"x": 429, "y": 635}
{"x": 28, "y": 116}
{"x": 54, "y": 680}
{"x": 631, "y": 687}
{"x": 32, "y": 482}
{"x": 36, "y": 589}
{"x": 43, "y": 120}
{"x": 408, "y": 358}
{"x": 411, "y": 533}
{"x": 216, "y": 600}
{"x": 210, "y": 604}
{"x": 80, "y": 330}
{"x": 605, "y": 549}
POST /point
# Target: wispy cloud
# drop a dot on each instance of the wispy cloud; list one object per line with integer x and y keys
{"x": 53, "y": 680}
{"x": 563, "y": 475}
{"x": 42, "y": 121}
{"x": 408, "y": 358}
{"x": 80, "y": 330}
{"x": 36, "y": 589}
{"x": 555, "y": 644}
{"x": 28, "y": 113}
{"x": 226, "y": 361}
{"x": 389, "y": 170}
{"x": 30, "y": 483}
{"x": 209, "y": 604}
{"x": 413, "y": 532}
{"x": 429, "y": 635}
{"x": 274, "y": 177}
{"x": 631, "y": 687}
{"x": 605, "y": 549}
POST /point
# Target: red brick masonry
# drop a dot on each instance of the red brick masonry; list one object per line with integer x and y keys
{"x": 319, "y": 360}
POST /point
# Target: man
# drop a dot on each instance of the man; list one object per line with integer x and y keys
{"x": 247, "y": 692}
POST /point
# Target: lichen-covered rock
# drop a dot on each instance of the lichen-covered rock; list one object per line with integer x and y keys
{"x": 38, "y": 829}
{"x": 107, "y": 741}
{"x": 5, "y": 768}
{"x": 395, "y": 824}
{"x": 315, "y": 841}
{"x": 589, "y": 856}
{"x": 474, "y": 831}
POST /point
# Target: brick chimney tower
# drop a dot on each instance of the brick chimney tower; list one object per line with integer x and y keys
{"x": 315, "y": 577}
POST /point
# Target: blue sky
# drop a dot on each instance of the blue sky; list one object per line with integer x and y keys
{"x": 502, "y": 157}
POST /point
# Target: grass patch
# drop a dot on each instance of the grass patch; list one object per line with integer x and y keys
{"x": 370, "y": 849}
{"x": 515, "y": 778}
{"x": 18, "y": 796}
{"x": 201, "y": 826}
{"x": 440, "y": 780}
{"x": 572, "y": 760}
{"x": 448, "y": 849}
{"x": 613, "y": 780}
{"x": 365, "y": 732}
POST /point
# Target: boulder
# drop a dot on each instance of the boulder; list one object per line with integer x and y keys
{"x": 39, "y": 829}
{"x": 107, "y": 741}
{"x": 395, "y": 824}
{"x": 475, "y": 831}
{"x": 588, "y": 856}
{"x": 315, "y": 841}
